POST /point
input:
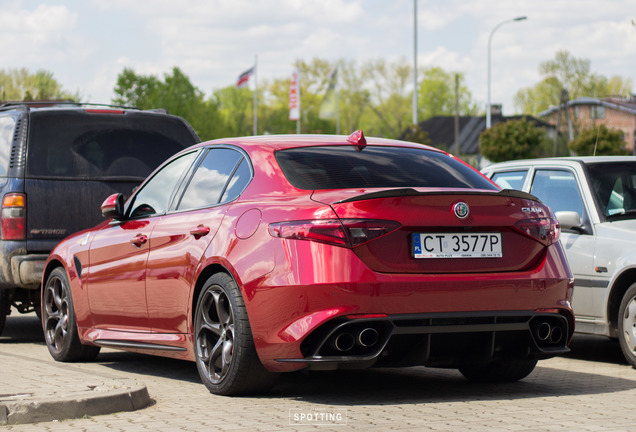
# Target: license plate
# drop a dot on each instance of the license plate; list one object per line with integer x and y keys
{"x": 457, "y": 245}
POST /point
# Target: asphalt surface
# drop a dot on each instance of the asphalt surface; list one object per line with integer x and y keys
{"x": 593, "y": 389}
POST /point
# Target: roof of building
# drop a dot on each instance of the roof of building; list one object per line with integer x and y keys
{"x": 441, "y": 130}
{"x": 613, "y": 102}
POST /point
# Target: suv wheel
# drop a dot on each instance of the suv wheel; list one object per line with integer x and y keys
{"x": 4, "y": 309}
{"x": 627, "y": 325}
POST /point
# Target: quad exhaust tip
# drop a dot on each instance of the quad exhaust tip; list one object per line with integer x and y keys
{"x": 365, "y": 338}
{"x": 545, "y": 332}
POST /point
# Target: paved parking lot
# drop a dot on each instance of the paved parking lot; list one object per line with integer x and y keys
{"x": 591, "y": 390}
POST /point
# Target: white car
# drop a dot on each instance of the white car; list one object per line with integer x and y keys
{"x": 594, "y": 199}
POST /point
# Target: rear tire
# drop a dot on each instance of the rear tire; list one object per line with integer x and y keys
{"x": 499, "y": 371}
{"x": 627, "y": 325}
{"x": 58, "y": 321}
{"x": 4, "y": 309}
{"x": 224, "y": 348}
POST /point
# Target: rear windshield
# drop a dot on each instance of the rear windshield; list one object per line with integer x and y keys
{"x": 7, "y": 127}
{"x": 92, "y": 145}
{"x": 614, "y": 184}
{"x": 345, "y": 167}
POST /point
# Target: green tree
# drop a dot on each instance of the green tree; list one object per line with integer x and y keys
{"x": 573, "y": 74}
{"x": 236, "y": 107}
{"x": 389, "y": 98}
{"x": 598, "y": 141}
{"x": 414, "y": 133}
{"x": 20, "y": 84}
{"x": 514, "y": 139}
{"x": 176, "y": 94}
{"x": 436, "y": 94}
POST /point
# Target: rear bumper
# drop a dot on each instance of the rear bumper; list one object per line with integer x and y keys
{"x": 446, "y": 340}
{"x": 27, "y": 270}
{"x": 19, "y": 269}
{"x": 298, "y": 309}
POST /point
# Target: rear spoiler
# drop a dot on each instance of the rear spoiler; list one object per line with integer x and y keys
{"x": 404, "y": 192}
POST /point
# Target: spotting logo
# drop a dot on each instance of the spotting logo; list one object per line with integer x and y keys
{"x": 318, "y": 416}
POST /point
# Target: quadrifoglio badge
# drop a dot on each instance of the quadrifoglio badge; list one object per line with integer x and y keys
{"x": 461, "y": 210}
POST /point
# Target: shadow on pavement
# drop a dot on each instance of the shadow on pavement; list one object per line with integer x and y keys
{"x": 379, "y": 386}
{"x": 596, "y": 348}
{"x": 417, "y": 385}
{"x": 21, "y": 328}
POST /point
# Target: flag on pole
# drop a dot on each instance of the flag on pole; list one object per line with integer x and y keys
{"x": 244, "y": 77}
{"x": 294, "y": 102}
{"x": 329, "y": 108}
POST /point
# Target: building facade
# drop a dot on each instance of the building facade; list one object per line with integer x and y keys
{"x": 613, "y": 112}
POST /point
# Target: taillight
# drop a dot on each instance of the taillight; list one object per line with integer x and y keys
{"x": 13, "y": 217}
{"x": 338, "y": 232}
{"x": 545, "y": 230}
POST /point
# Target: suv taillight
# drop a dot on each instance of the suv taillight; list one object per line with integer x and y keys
{"x": 546, "y": 230}
{"x": 13, "y": 217}
{"x": 337, "y": 232}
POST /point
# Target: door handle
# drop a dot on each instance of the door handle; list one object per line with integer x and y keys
{"x": 200, "y": 231}
{"x": 139, "y": 240}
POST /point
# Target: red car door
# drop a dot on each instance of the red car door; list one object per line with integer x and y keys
{"x": 181, "y": 237}
{"x": 117, "y": 275}
{"x": 118, "y": 255}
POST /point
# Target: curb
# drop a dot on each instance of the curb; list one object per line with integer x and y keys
{"x": 111, "y": 397}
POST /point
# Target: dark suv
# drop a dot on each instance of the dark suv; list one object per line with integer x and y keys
{"x": 58, "y": 162}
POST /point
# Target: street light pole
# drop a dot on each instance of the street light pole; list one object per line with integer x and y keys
{"x": 488, "y": 117}
{"x": 415, "y": 62}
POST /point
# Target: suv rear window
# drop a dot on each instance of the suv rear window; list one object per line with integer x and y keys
{"x": 345, "y": 167}
{"x": 96, "y": 145}
{"x": 7, "y": 127}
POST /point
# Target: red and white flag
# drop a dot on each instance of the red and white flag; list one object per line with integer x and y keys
{"x": 244, "y": 77}
{"x": 294, "y": 102}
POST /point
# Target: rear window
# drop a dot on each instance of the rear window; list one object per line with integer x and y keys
{"x": 345, "y": 167}
{"x": 614, "y": 184}
{"x": 90, "y": 145}
{"x": 7, "y": 126}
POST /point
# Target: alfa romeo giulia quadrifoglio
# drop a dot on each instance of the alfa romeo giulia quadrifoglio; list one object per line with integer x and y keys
{"x": 259, "y": 255}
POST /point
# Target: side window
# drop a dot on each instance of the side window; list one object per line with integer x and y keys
{"x": 238, "y": 182}
{"x": 510, "y": 179}
{"x": 559, "y": 190}
{"x": 154, "y": 197}
{"x": 7, "y": 126}
{"x": 210, "y": 180}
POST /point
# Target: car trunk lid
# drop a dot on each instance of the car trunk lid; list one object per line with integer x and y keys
{"x": 458, "y": 231}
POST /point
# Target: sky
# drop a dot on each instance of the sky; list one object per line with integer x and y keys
{"x": 87, "y": 43}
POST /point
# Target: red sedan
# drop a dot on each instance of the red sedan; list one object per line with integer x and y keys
{"x": 252, "y": 256}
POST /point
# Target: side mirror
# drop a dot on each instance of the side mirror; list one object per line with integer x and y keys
{"x": 113, "y": 207}
{"x": 569, "y": 220}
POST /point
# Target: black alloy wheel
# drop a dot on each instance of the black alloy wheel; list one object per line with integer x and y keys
{"x": 58, "y": 321}
{"x": 224, "y": 349}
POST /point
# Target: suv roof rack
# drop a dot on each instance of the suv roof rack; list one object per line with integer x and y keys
{"x": 26, "y": 105}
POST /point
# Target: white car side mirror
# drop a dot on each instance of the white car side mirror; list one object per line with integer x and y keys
{"x": 569, "y": 220}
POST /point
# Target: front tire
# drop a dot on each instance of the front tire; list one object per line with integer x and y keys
{"x": 58, "y": 321}
{"x": 627, "y": 325}
{"x": 499, "y": 371}
{"x": 224, "y": 348}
